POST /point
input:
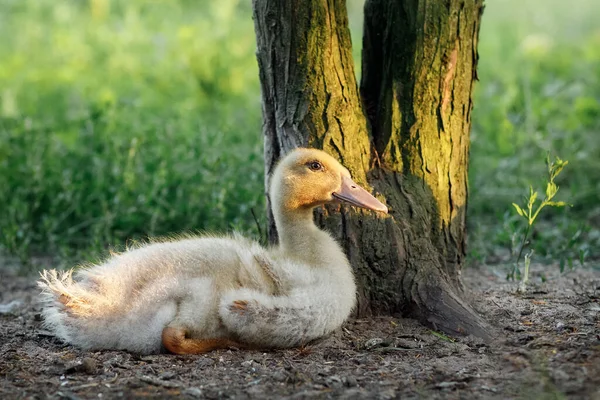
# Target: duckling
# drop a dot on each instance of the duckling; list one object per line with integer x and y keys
{"x": 198, "y": 294}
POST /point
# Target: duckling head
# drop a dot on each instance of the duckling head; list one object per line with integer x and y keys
{"x": 306, "y": 178}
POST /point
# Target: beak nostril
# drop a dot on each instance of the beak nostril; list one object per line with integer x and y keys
{"x": 353, "y": 187}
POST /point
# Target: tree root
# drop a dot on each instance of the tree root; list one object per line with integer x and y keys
{"x": 435, "y": 304}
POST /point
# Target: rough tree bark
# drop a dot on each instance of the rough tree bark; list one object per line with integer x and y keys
{"x": 405, "y": 134}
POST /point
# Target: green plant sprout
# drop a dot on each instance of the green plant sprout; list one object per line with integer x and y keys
{"x": 530, "y": 213}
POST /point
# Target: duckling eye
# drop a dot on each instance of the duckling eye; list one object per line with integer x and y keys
{"x": 315, "y": 166}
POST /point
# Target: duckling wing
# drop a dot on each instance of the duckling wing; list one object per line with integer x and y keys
{"x": 317, "y": 304}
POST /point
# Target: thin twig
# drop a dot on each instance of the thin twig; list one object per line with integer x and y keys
{"x": 523, "y": 243}
{"x": 257, "y": 225}
{"x": 391, "y": 349}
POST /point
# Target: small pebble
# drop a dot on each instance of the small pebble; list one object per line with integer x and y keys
{"x": 350, "y": 381}
{"x": 374, "y": 342}
{"x": 334, "y": 381}
{"x": 87, "y": 366}
{"x": 193, "y": 391}
{"x": 407, "y": 344}
{"x": 279, "y": 376}
{"x": 167, "y": 375}
{"x": 205, "y": 362}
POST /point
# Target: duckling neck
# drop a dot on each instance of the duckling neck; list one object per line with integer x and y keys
{"x": 301, "y": 239}
{"x": 295, "y": 229}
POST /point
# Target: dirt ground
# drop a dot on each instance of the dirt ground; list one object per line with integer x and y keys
{"x": 547, "y": 347}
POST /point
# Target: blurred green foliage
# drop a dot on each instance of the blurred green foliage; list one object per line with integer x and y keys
{"x": 539, "y": 91}
{"x": 125, "y": 119}
{"x": 122, "y": 119}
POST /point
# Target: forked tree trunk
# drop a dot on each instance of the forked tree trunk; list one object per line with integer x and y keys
{"x": 406, "y": 135}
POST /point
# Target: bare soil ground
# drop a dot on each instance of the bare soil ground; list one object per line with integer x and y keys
{"x": 547, "y": 346}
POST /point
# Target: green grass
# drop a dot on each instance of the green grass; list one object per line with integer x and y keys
{"x": 136, "y": 120}
{"x": 126, "y": 119}
{"x": 539, "y": 90}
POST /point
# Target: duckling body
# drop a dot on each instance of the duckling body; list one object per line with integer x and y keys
{"x": 197, "y": 294}
{"x": 126, "y": 302}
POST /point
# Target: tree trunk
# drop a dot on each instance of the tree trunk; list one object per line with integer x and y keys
{"x": 409, "y": 142}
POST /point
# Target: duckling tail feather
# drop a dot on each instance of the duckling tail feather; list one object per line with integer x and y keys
{"x": 84, "y": 313}
{"x": 69, "y": 305}
{"x": 59, "y": 287}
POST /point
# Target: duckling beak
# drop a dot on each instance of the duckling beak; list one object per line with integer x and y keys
{"x": 356, "y": 195}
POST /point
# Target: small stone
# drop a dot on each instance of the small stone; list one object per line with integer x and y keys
{"x": 407, "y": 344}
{"x": 167, "y": 375}
{"x": 279, "y": 376}
{"x": 324, "y": 371}
{"x": 387, "y": 394}
{"x": 205, "y": 362}
{"x": 372, "y": 343}
{"x": 360, "y": 360}
{"x": 87, "y": 366}
{"x": 444, "y": 385}
{"x": 194, "y": 392}
{"x": 350, "y": 381}
{"x": 334, "y": 381}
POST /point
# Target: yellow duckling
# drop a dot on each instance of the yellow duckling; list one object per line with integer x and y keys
{"x": 199, "y": 294}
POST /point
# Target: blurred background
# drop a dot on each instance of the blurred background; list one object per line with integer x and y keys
{"x": 123, "y": 119}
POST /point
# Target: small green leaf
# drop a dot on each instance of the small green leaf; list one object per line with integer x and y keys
{"x": 582, "y": 254}
{"x": 551, "y": 190}
{"x": 573, "y": 240}
{"x": 442, "y": 336}
{"x": 558, "y": 204}
{"x": 532, "y": 197}
{"x": 519, "y": 210}
{"x": 571, "y": 263}
{"x": 557, "y": 167}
